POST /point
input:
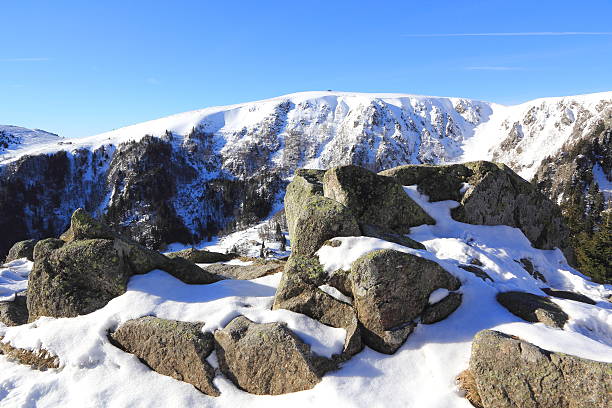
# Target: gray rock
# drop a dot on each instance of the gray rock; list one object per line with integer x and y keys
{"x": 510, "y": 372}
{"x": 172, "y": 348}
{"x": 256, "y": 270}
{"x": 77, "y": 278}
{"x": 533, "y": 308}
{"x": 391, "y": 289}
{"x": 14, "y": 313}
{"x": 22, "y": 249}
{"x": 298, "y": 291}
{"x": 497, "y": 196}
{"x": 375, "y": 231}
{"x": 564, "y": 294}
{"x": 267, "y": 359}
{"x": 198, "y": 256}
{"x": 476, "y": 271}
{"x": 374, "y": 199}
{"x": 84, "y": 272}
{"x": 442, "y": 309}
{"x": 531, "y": 269}
{"x": 321, "y": 219}
{"x": 304, "y": 185}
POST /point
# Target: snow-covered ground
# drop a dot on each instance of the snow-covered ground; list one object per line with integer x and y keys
{"x": 420, "y": 374}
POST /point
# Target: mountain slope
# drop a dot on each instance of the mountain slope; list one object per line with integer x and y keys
{"x": 201, "y": 171}
{"x": 16, "y": 139}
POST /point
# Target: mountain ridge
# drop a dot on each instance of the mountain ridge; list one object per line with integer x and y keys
{"x": 187, "y": 176}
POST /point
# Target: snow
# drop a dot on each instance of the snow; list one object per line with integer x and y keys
{"x": 437, "y": 295}
{"x": 14, "y": 278}
{"x": 335, "y": 293}
{"x": 544, "y": 126}
{"x": 603, "y": 181}
{"x": 420, "y": 374}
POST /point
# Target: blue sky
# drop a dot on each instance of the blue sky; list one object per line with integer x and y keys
{"x": 80, "y": 68}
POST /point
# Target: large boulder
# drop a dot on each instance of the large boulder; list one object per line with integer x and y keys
{"x": 77, "y": 278}
{"x": 391, "y": 289}
{"x": 91, "y": 266}
{"x": 319, "y": 220}
{"x": 14, "y": 313}
{"x": 533, "y": 308}
{"x": 510, "y": 373}
{"x": 304, "y": 185}
{"x": 299, "y": 292}
{"x": 490, "y": 194}
{"x": 267, "y": 359}
{"x": 374, "y": 199}
{"x": 199, "y": 256}
{"x": 172, "y": 348}
{"x": 22, "y": 249}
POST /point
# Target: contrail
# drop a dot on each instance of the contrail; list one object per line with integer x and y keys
{"x": 34, "y": 59}
{"x": 525, "y": 34}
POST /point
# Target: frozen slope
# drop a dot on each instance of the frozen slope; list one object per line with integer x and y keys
{"x": 420, "y": 374}
{"x": 15, "y": 140}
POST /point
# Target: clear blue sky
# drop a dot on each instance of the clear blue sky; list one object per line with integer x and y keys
{"x": 82, "y": 67}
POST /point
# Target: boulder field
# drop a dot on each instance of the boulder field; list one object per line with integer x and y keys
{"x": 378, "y": 301}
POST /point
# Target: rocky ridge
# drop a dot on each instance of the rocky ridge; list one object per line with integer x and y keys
{"x": 200, "y": 172}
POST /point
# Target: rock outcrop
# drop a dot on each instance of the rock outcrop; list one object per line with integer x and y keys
{"x": 14, "y": 313}
{"x": 90, "y": 266}
{"x": 510, "y": 373}
{"x": 299, "y": 292}
{"x": 491, "y": 194}
{"x": 374, "y": 199}
{"x": 172, "y": 348}
{"x": 21, "y": 249}
{"x": 533, "y": 308}
{"x": 267, "y": 359}
{"x": 391, "y": 289}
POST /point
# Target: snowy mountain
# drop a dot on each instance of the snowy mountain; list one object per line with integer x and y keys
{"x": 14, "y": 139}
{"x": 197, "y": 172}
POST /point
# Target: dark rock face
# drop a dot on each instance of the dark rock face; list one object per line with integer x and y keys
{"x": 256, "y": 270}
{"x": 92, "y": 267}
{"x": 496, "y": 196}
{"x": 476, "y": 270}
{"x": 172, "y": 348}
{"x": 391, "y": 289}
{"x": 267, "y": 359}
{"x": 197, "y": 256}
{"x": 533, "y": 308}
{"x": 442, "y": 309}
{"x": 14, "y": 313}
{"x": 154, "y": 190}
{"x": 564, "y": 294}
{"x": 22, "y": 249}
{"x": 374, "y": 199}
{"x": 510, "y": 372}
